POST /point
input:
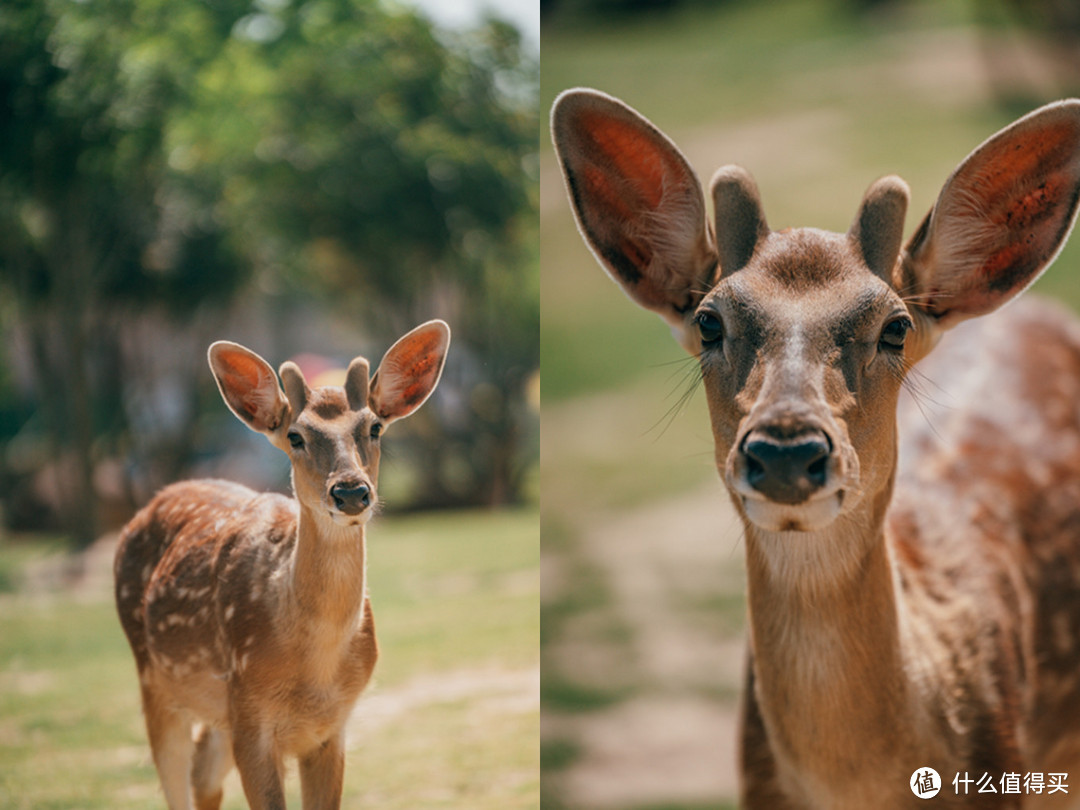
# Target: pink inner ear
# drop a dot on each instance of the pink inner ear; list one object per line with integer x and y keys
{"x": 619, "y": 205}
{"x": 1018, "y": 210}
{"x": 630, "y": 153}
{"x": 241, "y": 370}
{"x": 241, "y": 378}
{"x": 613, "y": 201}
{"x": 417, "y": 359}
{"x": 1042, "y": 154}
{"x": 1030, "y": 226}
{"x": 999, "y": 262}
{"x": 413, "y": 394}
{"x": 414, "y": 365}
{"x": 419, "y": 354}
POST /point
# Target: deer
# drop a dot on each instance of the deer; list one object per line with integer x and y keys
{"x": 248, "y": 614}
{"x": 912, "y": 563}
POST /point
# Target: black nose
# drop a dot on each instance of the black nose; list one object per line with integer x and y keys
{"x": 787, "y": 470}
{"x": 351, "y": 498}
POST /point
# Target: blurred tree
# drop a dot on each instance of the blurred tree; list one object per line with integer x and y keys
{"x": 156, "y": 154}
{"x": 82, "y": 198}
{"x": 392, "y": 170}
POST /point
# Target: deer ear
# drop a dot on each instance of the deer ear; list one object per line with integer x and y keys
{"x": 357, "y": 383}
{"x": 740, "y": 221}
{"x": 248, "y": 386}
{"x": 878, "y": 228}
{"x": 296, "y": 388}
{"x": 638, "y": 203}
{"x": 1000, "y": 220}
{"x": 409, "y": 371}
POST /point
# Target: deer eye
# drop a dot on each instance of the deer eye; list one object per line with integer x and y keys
{"x": 895, "y": 333}
{"x": 710, "y": 328}
{"x": 376, "y": 430}
{"x": 295, "y": 439}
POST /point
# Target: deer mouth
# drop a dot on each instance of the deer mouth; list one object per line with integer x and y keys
{"x": 812, "y": 515}
{"x": 791, "y": 479}
{"x": 340, "y": 518}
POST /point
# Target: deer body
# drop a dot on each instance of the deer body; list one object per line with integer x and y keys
{"x": 913, "y": 568}
{"x": 247, "y": 612}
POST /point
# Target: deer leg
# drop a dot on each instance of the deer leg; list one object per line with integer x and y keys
{"x": 259, "y": 764}
{"x": 213, "y": 759}
{"x": 169, "y": 731}
{"x": 322, "y": 772}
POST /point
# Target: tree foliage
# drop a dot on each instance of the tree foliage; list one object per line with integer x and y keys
{"x": 157, "y": 155}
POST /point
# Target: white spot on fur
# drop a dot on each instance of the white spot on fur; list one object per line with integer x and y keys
{"x": 230, "y": 610}
{"x": 178, "y": 670}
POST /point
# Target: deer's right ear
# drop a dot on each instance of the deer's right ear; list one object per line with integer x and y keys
{"x": 638, "y": 204}
{"x": 1000, "y": 220}
{"x": 249, "y": 387}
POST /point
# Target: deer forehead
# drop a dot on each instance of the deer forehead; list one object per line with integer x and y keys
{"x": 327, "y": 412}
{"x": 807, "y": 286}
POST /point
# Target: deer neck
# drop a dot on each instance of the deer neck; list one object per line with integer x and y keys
{"x": 327, "y": 580}
{"x": 827, "y": 643}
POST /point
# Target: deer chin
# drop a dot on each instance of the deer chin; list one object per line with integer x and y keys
{"x": 344, "y": 520}
{"x": 812, "y": 515}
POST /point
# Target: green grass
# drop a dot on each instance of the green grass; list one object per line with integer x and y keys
{"x": 18, "y": 554}
{"x": 455, "y": 598}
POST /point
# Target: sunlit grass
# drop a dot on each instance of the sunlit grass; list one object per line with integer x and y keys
{"x": 455, "y": 600}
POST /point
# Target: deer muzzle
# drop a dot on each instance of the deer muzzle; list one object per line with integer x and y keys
{"x": 786, "y": 470}
{"x": 352, "y": 496}
{"x": 790, "y": 475}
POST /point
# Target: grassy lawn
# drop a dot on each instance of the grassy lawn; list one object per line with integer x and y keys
{"x": 450, "y": 722}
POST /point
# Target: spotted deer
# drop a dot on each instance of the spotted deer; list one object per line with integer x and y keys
{"x": 248, "y": 613}
{"x": 913, "y": 578}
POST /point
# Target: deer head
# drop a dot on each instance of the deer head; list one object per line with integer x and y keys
{"x": 331, "y": 434}
{"x": 804, "y": 337}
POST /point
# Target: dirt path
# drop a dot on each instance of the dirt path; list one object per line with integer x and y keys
{"x": 490, "y": 693}
{"x": 674, "y": 570}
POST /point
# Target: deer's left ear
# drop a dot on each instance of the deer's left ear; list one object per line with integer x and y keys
{"x": 638, "y": 204}
{"x": 1000, "y": 220}
{"x": 409, "y": 371}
